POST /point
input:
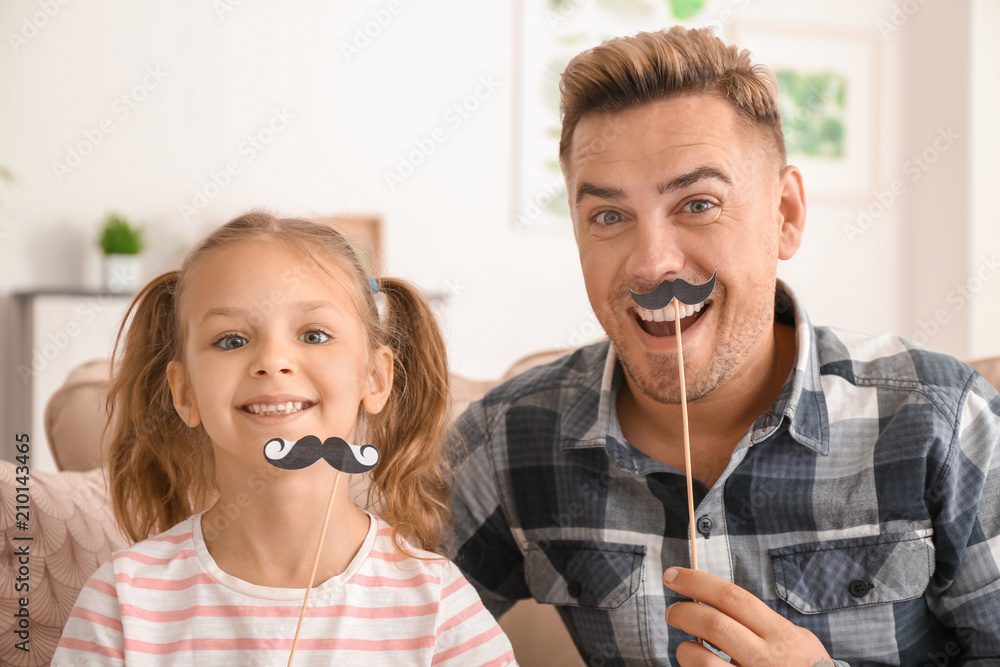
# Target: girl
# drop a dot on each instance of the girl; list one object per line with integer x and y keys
{"x": 270, "y": 329}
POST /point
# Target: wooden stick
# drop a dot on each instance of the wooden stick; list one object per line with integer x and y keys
{"x": 312, "y": 576}
{"x": 687, "y": 438}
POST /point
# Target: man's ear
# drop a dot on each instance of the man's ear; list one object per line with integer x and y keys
{"x": 380, "y": 375}
{"x": 791, "y": 212}
{"x": 180, "y": 390}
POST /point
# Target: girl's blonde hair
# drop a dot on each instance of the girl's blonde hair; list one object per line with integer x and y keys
{"x": 162, "y": 471}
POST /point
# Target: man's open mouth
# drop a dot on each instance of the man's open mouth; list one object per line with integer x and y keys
{"x": 660, "y": 323}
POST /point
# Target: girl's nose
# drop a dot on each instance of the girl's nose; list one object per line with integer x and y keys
{"x": 264, "y": 371}
{"x": 272, "y": 358}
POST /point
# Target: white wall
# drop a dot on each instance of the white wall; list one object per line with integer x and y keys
{"x": 938, "y": 213}
{"x": 448, "y": 226}
{"x": 984, "y": 18}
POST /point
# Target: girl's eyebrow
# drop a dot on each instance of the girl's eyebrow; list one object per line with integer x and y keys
{"x": 309, "y": 306}
{"x": 304, "y": 306}
{"x": 221, "y": 312}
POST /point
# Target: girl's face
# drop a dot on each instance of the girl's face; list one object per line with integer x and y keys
{"x": 274, "y": 347}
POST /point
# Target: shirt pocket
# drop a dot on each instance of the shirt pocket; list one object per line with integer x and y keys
{"x": 819, "y": 577}
{"x": 584, "y": 574}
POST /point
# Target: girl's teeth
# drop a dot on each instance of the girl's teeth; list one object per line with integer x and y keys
{"x": 273, "y": 408}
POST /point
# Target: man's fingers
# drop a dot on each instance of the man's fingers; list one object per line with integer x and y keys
{"x": 691, "y": 654}
{"x": 727, "y": 597}
{"x": 738, "y": 623}
{"x": 713, "y": 626}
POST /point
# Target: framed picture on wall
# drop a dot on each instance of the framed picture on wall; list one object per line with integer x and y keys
{"x": 828, "y": 89}
{"x": 547, "y": 34}
{"x": 364, "y": 233}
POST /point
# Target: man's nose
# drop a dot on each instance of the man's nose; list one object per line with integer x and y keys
{"x": 274, "y": 357}
{"x": 656, "y": 253}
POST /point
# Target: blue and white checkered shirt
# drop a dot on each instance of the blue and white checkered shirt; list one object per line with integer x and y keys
{"x": 863, "y": 506}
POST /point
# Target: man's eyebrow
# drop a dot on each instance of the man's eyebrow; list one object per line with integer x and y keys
{"x": 676, "y": 183}
{"x": 591, "y": 190}
{"x": 692, "y": 177}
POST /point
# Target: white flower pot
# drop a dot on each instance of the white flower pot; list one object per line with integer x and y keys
{"x": 122, "y": 273}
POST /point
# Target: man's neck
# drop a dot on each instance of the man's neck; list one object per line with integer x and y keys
{"x": 717, "y": 421}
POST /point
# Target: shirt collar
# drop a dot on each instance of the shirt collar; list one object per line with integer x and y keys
{"x": 800, "y": 402}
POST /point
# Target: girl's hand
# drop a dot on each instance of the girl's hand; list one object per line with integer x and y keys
{"x": 738, "y": 623}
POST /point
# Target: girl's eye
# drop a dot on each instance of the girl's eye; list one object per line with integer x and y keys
{"x": 608, "y": 218}
{"x": 314, "y": 337}
{"x": 231, "y": 342}
{"x": 697, "y": 206}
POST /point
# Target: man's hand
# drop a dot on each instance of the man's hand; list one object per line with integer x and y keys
{"x": 737, "y": 623}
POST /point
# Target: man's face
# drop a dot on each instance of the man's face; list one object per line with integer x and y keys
{"x": 679, "y": 189}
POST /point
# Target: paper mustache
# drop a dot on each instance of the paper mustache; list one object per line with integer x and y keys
{"x": 664, "y": 293}
{"x": 341, "y": 455}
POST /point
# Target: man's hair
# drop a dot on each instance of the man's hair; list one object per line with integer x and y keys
{"x": 629, "y": 72}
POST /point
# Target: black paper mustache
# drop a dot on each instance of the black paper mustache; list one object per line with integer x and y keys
{"x": 664, "y": 293}
{"x": 307, "y": 450}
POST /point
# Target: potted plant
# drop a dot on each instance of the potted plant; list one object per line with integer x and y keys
{"x": 122, "y": 244}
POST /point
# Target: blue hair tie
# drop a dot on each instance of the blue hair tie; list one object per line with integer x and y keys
{"x": 374, "y": 285}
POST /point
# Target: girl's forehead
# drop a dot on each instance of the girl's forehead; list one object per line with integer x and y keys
{"x": 265, "y": 272}
{"x": 269, "y": 257}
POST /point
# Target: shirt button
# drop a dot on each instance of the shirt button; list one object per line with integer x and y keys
{"x": 705, "y": 525}
{"x": 574, "y": 589}
{"x": 859, "y": 588}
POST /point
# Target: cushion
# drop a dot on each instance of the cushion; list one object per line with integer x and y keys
{"x": 72, "y": 531}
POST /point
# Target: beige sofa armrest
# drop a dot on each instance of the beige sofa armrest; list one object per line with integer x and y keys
{"x": 75, "y": 418}
{"x": 536, "y": 632}
{"x": 989, "y": 368}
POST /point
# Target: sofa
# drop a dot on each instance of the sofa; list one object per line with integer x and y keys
{"x": 72, "y": 529}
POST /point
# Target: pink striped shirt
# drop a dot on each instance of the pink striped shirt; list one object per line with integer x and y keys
{"x": 164, "y": 601}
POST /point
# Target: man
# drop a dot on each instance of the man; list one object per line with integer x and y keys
{"x": 846, "y": 484}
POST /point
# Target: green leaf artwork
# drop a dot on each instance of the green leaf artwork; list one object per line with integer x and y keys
{"x": 813, "y": 109}
{"x": 575, "y": 25}
{"x": 684, "y": 10}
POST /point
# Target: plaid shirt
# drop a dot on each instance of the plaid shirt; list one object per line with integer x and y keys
{"x": 863, "y": 506}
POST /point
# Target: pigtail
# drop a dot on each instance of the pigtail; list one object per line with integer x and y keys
{"x": 161, "y": 471}
{"x": 410, "y": 485}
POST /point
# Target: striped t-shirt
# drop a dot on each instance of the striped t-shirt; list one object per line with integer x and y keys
{"x": 164, "y": 601}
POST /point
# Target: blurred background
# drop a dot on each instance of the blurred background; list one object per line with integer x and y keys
{"x": 431, "y": 126}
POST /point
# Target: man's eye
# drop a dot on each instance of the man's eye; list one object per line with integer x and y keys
{"x": 231, "y": 342}
{"x": 608, "y": 218}
{"x": 698, "y": 206}
{"x": 314, "y": 337}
